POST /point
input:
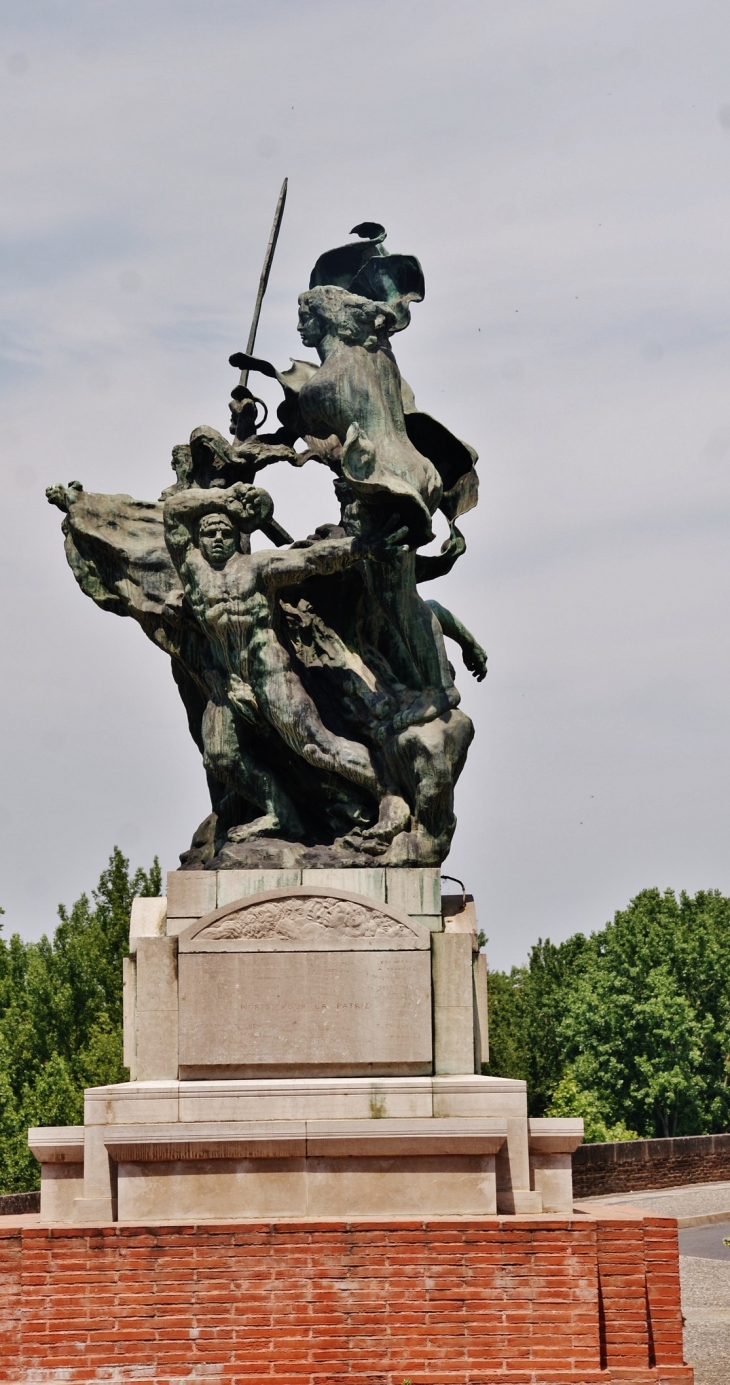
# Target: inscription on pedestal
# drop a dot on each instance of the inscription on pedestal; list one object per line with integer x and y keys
{"x": 300, "y": 981}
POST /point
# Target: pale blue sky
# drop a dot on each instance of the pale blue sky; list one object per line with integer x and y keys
{"x": 562, "y": 170}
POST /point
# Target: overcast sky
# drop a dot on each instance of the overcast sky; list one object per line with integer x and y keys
{"x": 562, "y": 170}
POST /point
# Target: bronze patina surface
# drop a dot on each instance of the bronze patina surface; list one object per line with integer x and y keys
{"x": 314, "y": 675}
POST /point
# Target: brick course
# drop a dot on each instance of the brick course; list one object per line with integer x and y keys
{"x": 632, "y": 1166}
{"x": 487, "y": 1301}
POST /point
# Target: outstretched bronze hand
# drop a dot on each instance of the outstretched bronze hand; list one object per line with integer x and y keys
{"x": 385, "y": 543}
{"x": 475, "y": 659}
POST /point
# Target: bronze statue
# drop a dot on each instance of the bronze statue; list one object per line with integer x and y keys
{"x": 314, "y": 676}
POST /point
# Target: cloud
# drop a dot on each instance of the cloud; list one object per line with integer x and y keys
{"x": 561, "y": 171}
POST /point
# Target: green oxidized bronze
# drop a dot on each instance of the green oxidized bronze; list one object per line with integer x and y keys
{"x": 314, "y": 676}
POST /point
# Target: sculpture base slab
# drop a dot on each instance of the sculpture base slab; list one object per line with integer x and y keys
{"x": 409, "y": 850}
{"x": 589, "y": 1300}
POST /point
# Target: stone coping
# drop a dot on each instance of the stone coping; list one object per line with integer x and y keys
{"x": 286, "y": 1139}
{"x": 57, "y": 1144}
{"x": 172, "y": 1087}
{"x": 554, "y": 1134}
{"x": 582, "y": 1216}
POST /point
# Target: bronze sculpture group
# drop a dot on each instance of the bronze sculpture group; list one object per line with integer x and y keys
{"x": 314, "y": 676}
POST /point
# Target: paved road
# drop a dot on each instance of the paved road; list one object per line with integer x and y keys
{"x": 707, "y": 1242}
{"x": 706, "y": 1309}
{"x": 696, "y": 1200}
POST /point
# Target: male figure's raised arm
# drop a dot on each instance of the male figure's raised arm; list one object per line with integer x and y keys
{"x": 288, "y": 567}
{"x": 178, "y": 521}
{"x": 186, "y": 507}
{"x": 294, "y": 565}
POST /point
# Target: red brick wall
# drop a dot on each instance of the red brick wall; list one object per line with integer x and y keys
{"x": 493, "y": 1301}
{"x": 661, "y": 1252}
{"x": 631, "y": 1166}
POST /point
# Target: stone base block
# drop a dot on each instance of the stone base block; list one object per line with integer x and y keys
{"x": 393, "y": 1146}
{"x": 60, "y": 1153}
{"x": 519, "y": 1202}
{"x": 92, "y": 1210}
{"x": 308, "y": 1168}
{"x": 62, "y": 1186}
{"x": 552, "y": 1143}
{"x": 587, "y": 1300}
{"x": 366, "y": 1186}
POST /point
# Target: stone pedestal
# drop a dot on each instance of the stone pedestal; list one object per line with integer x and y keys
{"x": 308, "y": 1118}
{"x": 268, "y": 973}
{"x": 305, "y": 1044}
{"x": 301, "y": 1147}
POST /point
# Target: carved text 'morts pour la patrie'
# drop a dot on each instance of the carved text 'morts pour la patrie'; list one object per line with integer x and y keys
{"x": 314, "y": 676}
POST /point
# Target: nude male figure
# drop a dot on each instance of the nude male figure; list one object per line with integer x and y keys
{"x": 233, "y": 598}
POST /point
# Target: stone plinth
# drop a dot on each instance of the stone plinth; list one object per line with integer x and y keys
{"x": 414, "y": 890}
{"x": 586, "y": 1300}
{"x": 264, "y": 973}
{"x": 305, "y": 1147}
{"x": 306, "y": 1043}
{"x": 307, "y": 1168}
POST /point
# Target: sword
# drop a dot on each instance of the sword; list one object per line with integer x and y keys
{"x": 243, "y": 422}
{"x": 263, "y": 281}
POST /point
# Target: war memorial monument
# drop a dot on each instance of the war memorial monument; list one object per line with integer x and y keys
{"x": 307, "y": 1177}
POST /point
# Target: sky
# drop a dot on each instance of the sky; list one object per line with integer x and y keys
{"x": 562, "y": 171}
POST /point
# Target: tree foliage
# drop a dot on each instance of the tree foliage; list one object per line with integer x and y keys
{"x": 61, "y": 1014}
{"x": 630, "y": 1027}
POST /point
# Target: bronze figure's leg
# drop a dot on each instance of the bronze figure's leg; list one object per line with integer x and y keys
{"x": 430, "y": 759}
{"x": 287, "y": 707}
{"x": 224, "y": 758}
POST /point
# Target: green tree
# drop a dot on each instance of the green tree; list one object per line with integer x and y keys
{"x": 525, "y": 1012}
{"x": 647, "y": 1023}
{"x": 61, "y": 1014}
{"x": 629, "y": 1028}
{"x": 570, "y": 1099}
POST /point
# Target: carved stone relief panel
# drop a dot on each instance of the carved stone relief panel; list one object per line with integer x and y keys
{"x": 305, "y": 919}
